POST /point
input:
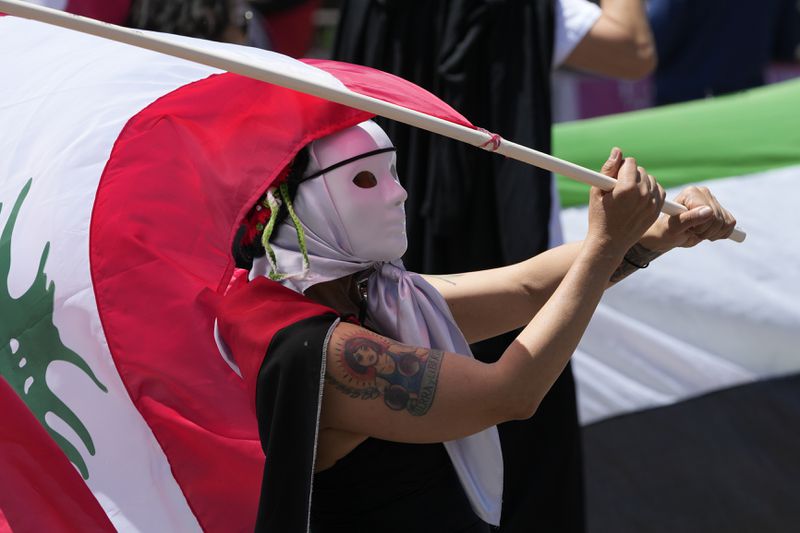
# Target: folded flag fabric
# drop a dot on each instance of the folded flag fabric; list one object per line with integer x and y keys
{"x": 689, "y": 374}
{"x": 123, "y": 178}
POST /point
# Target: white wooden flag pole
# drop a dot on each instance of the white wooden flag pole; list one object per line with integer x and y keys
{"x": 257, "y": 70}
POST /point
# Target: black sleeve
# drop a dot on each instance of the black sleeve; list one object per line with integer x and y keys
{"x": 288, "y": 396}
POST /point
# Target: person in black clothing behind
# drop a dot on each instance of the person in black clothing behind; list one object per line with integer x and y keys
{"x": 469, "y": 210}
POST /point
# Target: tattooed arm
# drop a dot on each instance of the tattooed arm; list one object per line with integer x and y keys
{"x": 375, "y": 387}
{"x": 366, "y": 366}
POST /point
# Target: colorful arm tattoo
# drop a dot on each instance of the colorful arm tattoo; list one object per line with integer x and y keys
{"x": 367, "y": 366}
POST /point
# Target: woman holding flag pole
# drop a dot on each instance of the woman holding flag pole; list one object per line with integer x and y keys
{"x": 389, "y": 344}
{"x": 394, "y": 343}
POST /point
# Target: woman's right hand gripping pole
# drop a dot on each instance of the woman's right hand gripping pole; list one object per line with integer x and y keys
{"x": 618, "y": 218}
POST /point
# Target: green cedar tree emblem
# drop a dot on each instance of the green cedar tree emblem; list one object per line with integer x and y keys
{"x": 29, "y": 342}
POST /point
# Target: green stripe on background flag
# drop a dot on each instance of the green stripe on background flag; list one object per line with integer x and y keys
{"x": 726, "y": 136}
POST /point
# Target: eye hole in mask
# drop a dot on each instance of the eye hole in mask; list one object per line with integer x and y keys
{"x": 365, "y": 180}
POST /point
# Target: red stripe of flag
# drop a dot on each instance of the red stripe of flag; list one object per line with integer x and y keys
{"x": 180, "y": 177}
{"x": 40, "y": 489}
{"x": 389, "y": 88}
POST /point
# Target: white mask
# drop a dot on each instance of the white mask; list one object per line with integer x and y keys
{"x": 357, "y": 206}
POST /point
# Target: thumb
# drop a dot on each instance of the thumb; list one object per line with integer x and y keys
{"x": 612, "y": 164}
{"x": 694, "y": 217}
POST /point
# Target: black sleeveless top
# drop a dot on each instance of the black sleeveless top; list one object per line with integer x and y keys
{"x": 380, "y": 486}
{"x": 388, "y": 487}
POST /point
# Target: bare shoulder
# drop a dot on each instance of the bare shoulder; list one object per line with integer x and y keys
{"x": 378, "y": 387}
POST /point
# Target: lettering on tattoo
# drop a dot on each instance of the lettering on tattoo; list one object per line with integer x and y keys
{"x": 420, "y": 405}
{"x": 367, "y": 366}
{"x": 636, "y": 258}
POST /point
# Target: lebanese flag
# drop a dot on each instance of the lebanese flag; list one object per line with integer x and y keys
{"x": 123, "y": 177}
{"x": 688, "y": 375}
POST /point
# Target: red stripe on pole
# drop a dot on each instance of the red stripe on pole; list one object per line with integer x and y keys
{"x": 181, "y": 175}
{"x": 40, "y": 489}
